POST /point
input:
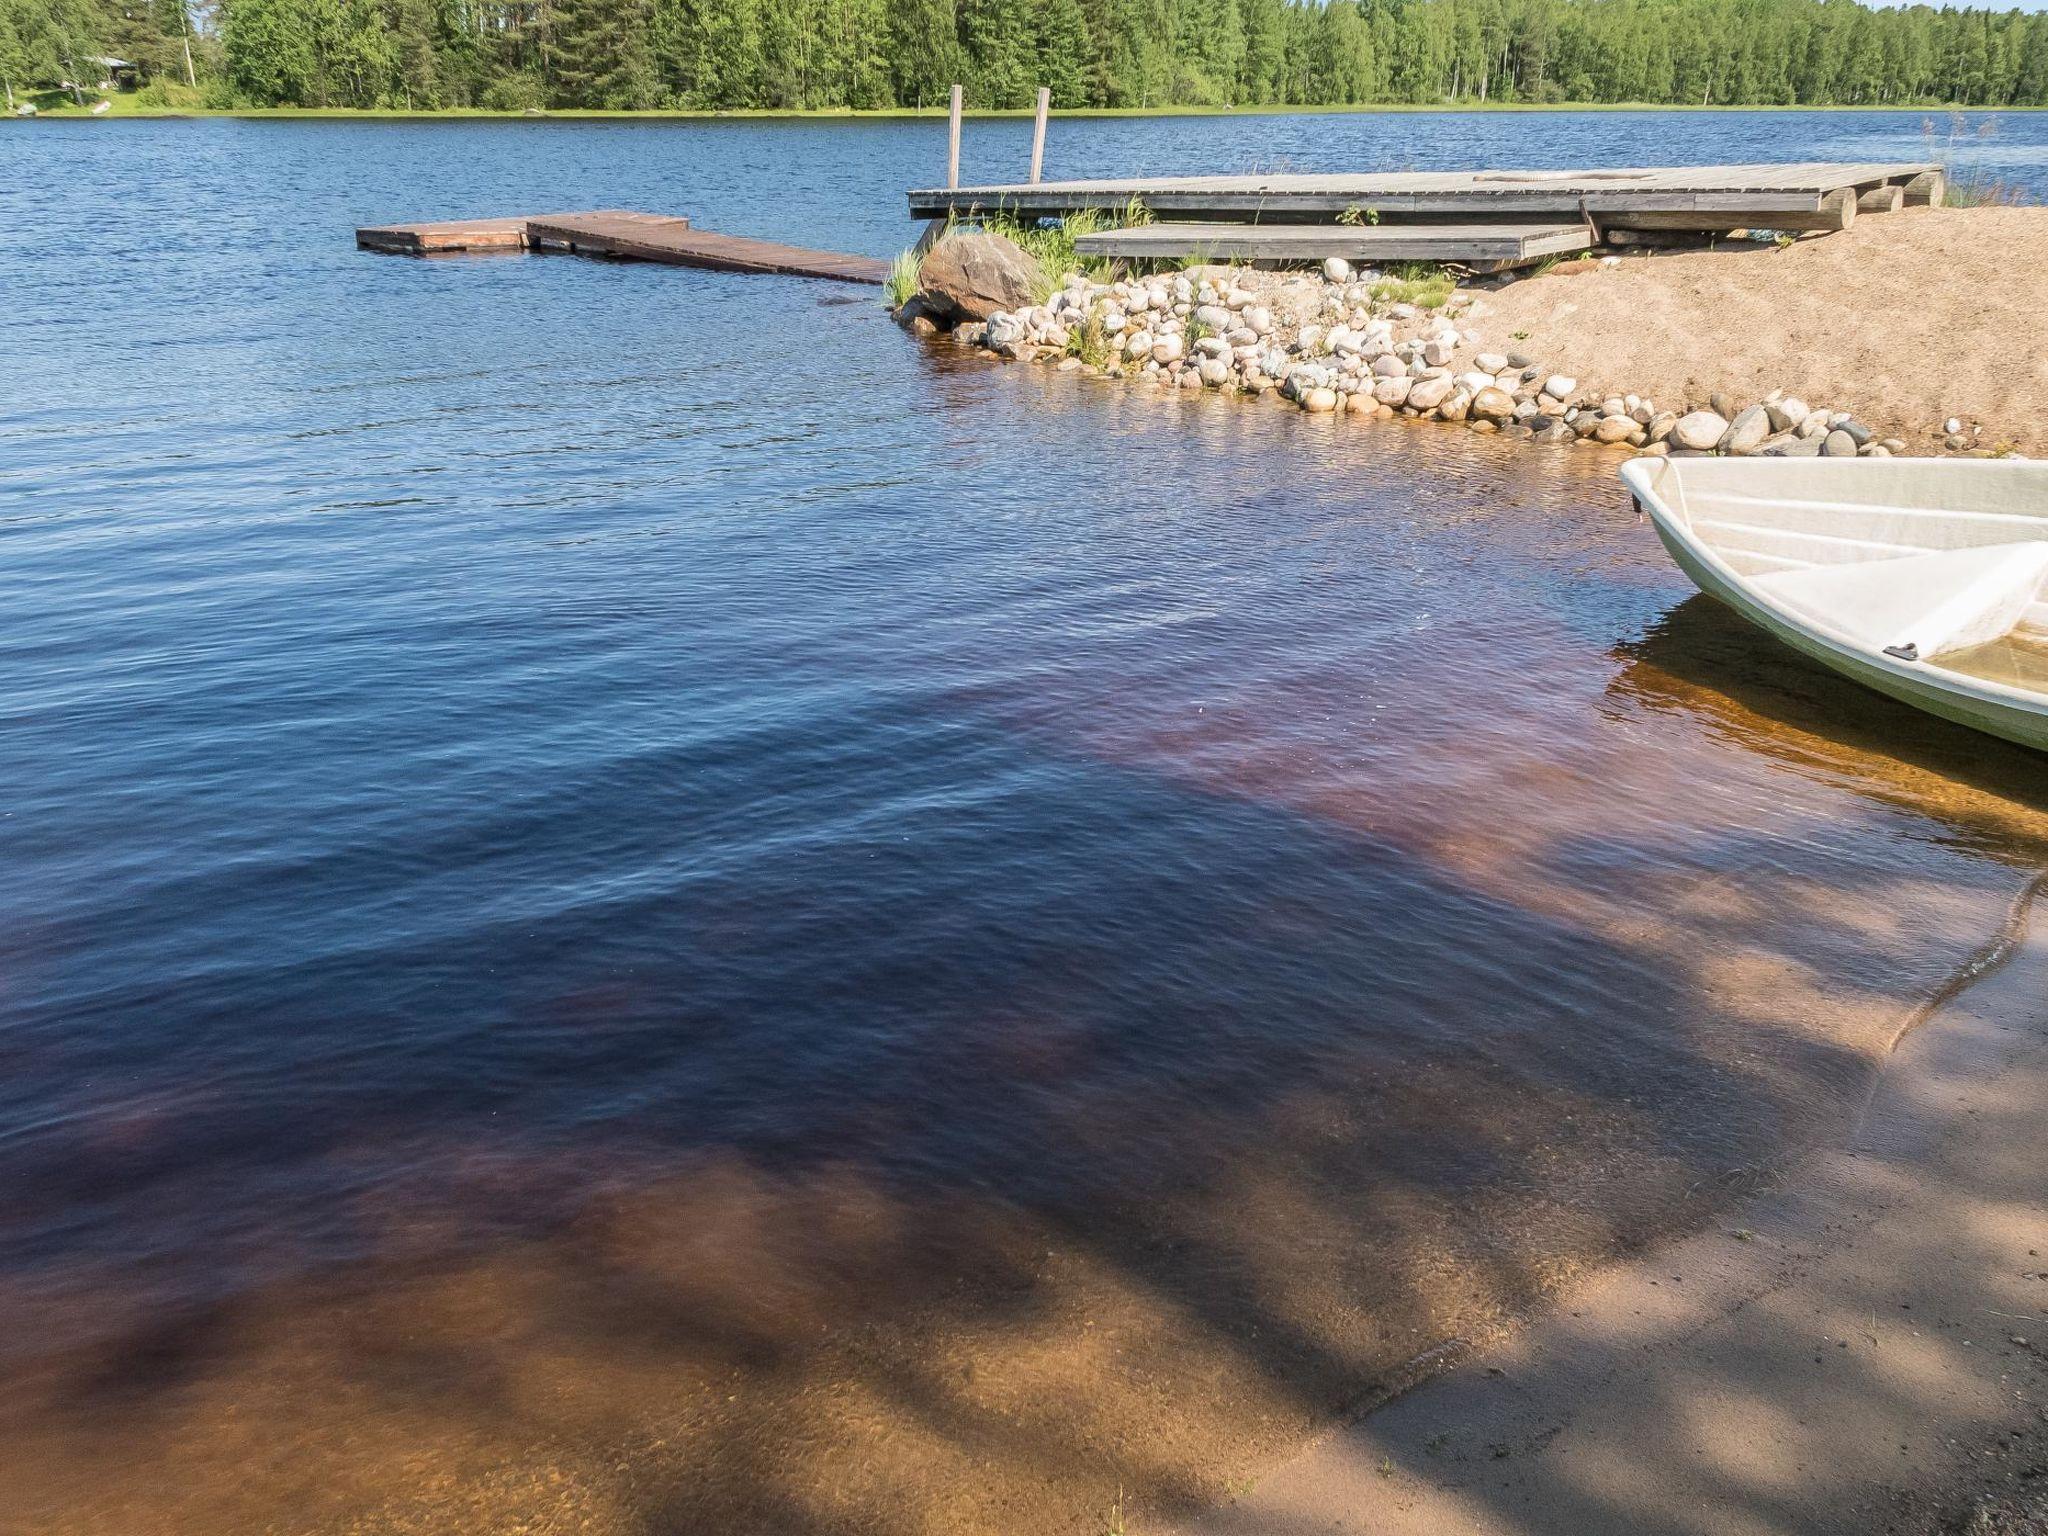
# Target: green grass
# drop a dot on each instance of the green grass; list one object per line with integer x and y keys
{"x": 1051, "y": 246}
{"x": 1421, "y": 283}
{"x": 902, "y": 280}
{"x": 1090, "y": 342}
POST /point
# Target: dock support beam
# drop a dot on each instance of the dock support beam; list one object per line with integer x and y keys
{"x": 953, "y": 142}
{"x": 1038, "y": 134}
{"x": 1927, "y": 190}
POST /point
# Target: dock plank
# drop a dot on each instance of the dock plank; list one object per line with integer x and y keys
{"x": 640, "y": 240}
{"x": 1490, "y": 245}
{"x": 624, "y": 233}
{"x": 1750, "y": 192}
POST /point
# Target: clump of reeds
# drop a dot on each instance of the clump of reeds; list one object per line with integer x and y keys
{"x": 901, "y": 283}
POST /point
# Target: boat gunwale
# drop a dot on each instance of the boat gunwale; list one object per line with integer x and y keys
{"x": 1641, "y": 476}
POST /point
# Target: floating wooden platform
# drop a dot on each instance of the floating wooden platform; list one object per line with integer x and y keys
{"x": 1467, "y": 244}
{"x": 1734, "y": 195}
{"x": 624, "y": 234}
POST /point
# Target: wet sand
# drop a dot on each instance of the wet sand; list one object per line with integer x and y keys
{"x": 1862, "y": 1349}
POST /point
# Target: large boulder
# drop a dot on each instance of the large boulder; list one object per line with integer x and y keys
{"x": 973, "y": 276}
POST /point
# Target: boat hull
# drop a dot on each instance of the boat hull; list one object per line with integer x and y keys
{"x": 1945, "y": 694}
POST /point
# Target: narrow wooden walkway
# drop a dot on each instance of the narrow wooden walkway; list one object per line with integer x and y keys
{"x": 626, "y": 235}
{"x": 1748, "y": 193}
{"x": 1475, "y": 244}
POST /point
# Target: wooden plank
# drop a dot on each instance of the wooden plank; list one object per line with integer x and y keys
{"x": 643, "y": 239}
{"x": 1837, "y": 211}
{"x": 1750, "y": 189}
{"x": 447, "y": 236}
{"x": 1493, "y": 244}
{"x": 1885, "y": 199}
{"x": 624, "y": 233}
{"x": 1929, "y": 189}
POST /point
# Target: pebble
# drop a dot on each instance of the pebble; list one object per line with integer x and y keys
{"x": 1838, "y": 444}
{"x": 1699, "y": 430}
{"x": 1495, "y": 405}
{"x": 1337, "y": 270}
{"x": 1320, "y": 399}
{"x": 1428, "y": 394}
{"x": 1747, "y": 432}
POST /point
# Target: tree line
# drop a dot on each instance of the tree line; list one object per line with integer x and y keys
{"x": 795, "y": 54}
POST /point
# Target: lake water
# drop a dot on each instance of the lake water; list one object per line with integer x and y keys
{"x": 633, "y": 904}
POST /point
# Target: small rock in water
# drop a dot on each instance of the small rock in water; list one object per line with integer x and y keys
{"x": 1699, "y": 430}
{"x": 1495, "y": 405}
{"x": 1320, "y": 399}
{"x": 1213, "y": 371}
{"x": 1428, "y": 394}
{"x": 1615, "y": 429}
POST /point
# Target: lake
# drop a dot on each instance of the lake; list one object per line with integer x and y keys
{"x": 636, "y": 904}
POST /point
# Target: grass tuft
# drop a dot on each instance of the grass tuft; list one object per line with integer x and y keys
{"x": 1421, "y": 283}
{"x": 1052, "y": 247}
{"x": 902, "y": 280}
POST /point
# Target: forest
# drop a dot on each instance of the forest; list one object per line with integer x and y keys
{"x": 513, "y": 55}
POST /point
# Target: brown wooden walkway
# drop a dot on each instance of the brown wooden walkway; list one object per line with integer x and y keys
{"x": 626, "y": 235}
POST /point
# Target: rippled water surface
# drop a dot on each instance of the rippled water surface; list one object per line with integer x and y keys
{"x": 634, "y": 905}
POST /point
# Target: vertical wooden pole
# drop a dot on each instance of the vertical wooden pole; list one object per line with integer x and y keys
{"x": 1038, "y": 134}
{"x": 953, "y": 142}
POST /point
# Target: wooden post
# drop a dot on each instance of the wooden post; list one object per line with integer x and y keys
{"x": 953, "y": 142}
{"x": 1038, "y": 133}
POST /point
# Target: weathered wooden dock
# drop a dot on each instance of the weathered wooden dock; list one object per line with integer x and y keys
{"x": 1485, "y": 218}
{"x": 625, "y": 235}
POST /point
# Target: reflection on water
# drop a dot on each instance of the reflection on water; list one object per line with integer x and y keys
{"x": 638, "y": 942}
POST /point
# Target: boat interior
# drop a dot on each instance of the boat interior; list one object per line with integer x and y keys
{"x": 1924, "y": 559}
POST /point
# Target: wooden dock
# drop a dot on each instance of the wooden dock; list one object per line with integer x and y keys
{"x": 1467, "y": 244}
{"x": 1469, "y": 217}
{"x": 625, "y": 235}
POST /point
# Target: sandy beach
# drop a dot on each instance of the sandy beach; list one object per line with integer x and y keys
{"x": 1864, "y": 1348}
{"x": 1907, "y": 319}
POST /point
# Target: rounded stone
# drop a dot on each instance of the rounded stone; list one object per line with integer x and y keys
{"x": 1700, "y": 431}
{"x": 1319, "y": 400}
{"x": 1495, "y": 405}
{"x": 1747, "y": 432}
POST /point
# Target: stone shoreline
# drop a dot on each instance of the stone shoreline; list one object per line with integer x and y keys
{"x": 1349, "y": 342}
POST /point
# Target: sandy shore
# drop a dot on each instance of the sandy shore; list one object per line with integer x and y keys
{"x": 1906, "y": 319}
{"x": 1863, "y": 1349}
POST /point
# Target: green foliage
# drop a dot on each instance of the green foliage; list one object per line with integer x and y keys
{"x": 1090, "y": 342}
{"x": 1052, "y": 247}
{"x": 719, "y": 54}
{"x": 1421, "y": 283}
{"x": 902, "y": 279}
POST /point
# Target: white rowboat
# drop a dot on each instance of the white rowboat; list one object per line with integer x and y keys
{"x": 1926, "y": 579}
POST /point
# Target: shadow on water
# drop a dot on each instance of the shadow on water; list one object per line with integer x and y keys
{"x": 1704, "y": 661}
{"x": 1191, "y": 1166}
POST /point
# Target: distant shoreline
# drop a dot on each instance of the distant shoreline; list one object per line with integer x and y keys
{"x": 938, "y": 113}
